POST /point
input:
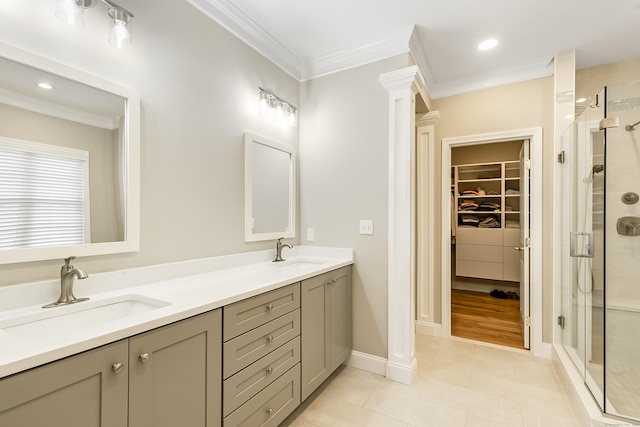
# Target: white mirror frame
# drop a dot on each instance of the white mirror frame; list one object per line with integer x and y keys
{"x": 131, "y": 168}
{"x": 249, "y": 235}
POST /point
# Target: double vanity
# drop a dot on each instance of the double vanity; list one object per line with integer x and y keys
{"x": 234, "y": 340}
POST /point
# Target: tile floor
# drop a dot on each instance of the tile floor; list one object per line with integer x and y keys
{"x": 459, "y": 383}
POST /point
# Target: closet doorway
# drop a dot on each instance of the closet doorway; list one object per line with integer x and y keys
{"x": 489, "y": 286}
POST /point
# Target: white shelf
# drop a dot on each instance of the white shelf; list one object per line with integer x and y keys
{"x": 487, "y": 252}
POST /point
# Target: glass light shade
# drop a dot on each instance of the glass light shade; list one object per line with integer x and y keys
{"x": 120, "y": 35}
{"x": 70, "y": 12}
{"x": 292, "y": 117}
{"x": 264, "y": 103}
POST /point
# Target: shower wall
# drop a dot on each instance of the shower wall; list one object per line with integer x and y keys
{"x": 622, "y": 329}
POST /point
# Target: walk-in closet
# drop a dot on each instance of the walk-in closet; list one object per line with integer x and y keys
{"x": 489, "y": 201}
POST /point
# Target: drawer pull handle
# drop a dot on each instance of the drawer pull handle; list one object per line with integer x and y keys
{"x": 144, "y": 357}
{"x": 117, "y": 367}
{"x": 269, "y": 411}
{"x": 270, "y": 338}
{"x": 269, "y": 370}
{"x": 269, "y": 307}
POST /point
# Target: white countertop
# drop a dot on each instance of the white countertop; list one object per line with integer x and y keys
{"x": 231, "y": 278}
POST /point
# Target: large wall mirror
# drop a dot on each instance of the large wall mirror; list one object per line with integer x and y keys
{"x": 269, "y": 189}
{"x": 69, "y": 161}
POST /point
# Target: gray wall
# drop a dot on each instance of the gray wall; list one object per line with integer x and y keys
{"x": 344, "y": 158}
{"x": 198, "y": 87}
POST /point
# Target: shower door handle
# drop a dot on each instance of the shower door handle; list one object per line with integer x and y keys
{"x": 581, "y": 244}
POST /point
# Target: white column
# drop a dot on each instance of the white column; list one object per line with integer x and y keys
{"x": 402, "y": 86}
{"x": 564, "y": 71}
{"x": 426, "y": 224}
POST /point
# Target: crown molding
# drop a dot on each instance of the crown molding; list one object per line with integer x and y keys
{"x": 240, "y": 25}
{"x": 55, "y": 110}
{"x": 531, "y": 70}
{"x": 356, "y": 57}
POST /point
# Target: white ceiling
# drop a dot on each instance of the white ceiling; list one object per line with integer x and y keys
{"x": 312, "y": 38}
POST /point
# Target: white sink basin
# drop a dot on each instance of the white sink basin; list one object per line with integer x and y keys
{"x": 65, "y": 319}
{"x": 298, "y": 264}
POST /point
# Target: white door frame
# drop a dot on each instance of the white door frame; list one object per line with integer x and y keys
{"x": 535, "y": 135}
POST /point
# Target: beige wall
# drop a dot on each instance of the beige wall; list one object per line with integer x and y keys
{"x": 344, "y": 158}
{"x": 486, "y": 153}
{"x": 516, "y": 106}
{"x": 198, "y": 86}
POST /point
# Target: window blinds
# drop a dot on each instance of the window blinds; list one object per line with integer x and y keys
{"x": 43, "y": 191}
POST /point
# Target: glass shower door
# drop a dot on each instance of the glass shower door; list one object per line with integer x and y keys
{"x": 584, "y": 298}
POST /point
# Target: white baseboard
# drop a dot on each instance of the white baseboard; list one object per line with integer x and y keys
{"x": 381, "y": 366}
{"x": 402, "y": 373}
{"x": 428, "y": 328}
{"x": 368, "y": 362}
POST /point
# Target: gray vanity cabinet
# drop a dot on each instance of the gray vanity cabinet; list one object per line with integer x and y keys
{"x": 326, "y": 326}
{"x": 168, "y": 376}
{"x": 261, "y": 358}
{"x": 85, "y": 390}
{"x": 174, "y": 374}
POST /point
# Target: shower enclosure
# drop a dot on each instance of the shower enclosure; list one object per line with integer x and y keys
{"x": 601, "y": 233}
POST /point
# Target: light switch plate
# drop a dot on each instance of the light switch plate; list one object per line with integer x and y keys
{"x": 366, "y": 226}
{"x": 309, "y": 234}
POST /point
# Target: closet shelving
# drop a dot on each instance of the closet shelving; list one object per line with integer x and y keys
{"x": 487, "y": 206}
{"x": 492, "y": 190}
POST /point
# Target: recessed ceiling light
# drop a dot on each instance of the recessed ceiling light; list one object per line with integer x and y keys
{"x": 581, "y": 100}
{"x": 45, "y": 85}
{"x": 488, "y": 44}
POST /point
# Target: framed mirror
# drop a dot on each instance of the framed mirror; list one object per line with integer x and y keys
{"x": 69, "y": 161}
{"x": 269, "y": 186}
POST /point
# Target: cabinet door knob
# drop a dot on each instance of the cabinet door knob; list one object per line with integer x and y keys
{"x": 269, "y": 411}
{"x": 269, "y": 370}
{"x": 144, "y": 357}
{"x": 117, "y": 367}
{"x": 270, "y": 338}
{"x": 269, "y": 307}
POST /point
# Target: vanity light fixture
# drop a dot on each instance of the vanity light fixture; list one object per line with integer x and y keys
{"x": 72, "y": 13}
{"x": 284, "y": 109}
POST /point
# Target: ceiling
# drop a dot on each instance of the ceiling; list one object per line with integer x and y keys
{"x": 311, "y": 38}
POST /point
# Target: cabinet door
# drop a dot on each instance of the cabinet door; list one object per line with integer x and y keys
{"x": 339, "y": 289}
{"x": 79, "y": 391}
{"x": 174, "y": 374}
{"x": 315, "y": 330}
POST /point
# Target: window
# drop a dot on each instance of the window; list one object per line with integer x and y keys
{"x": 44, "y": 195}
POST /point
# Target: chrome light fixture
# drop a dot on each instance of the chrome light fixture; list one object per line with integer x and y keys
{"x": 72, "y": 12}
{"x": 284, "y": 110}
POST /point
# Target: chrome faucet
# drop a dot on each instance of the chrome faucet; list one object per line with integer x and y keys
{"x": 67, "y": 274}
{"x": 279, "y": 246}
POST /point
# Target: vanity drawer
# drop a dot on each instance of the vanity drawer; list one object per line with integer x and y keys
{"x": 247, "y": 348}
{"x": 272, "y": 405}
{"x": 245, "y": 315}
{"x": 247, "y": 383}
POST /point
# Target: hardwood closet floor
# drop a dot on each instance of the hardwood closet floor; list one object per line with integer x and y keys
{"x": 481, "y": 317}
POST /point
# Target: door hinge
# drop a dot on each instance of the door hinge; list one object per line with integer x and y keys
{"x": 561, "y": 321}
{"x": 561, "y": 157}
{"x": 527, "y": 164}
{"x": 527, "y": 321}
